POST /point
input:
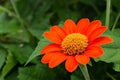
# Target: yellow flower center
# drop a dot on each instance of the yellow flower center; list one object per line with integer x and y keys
{"x": 74, "y": 43}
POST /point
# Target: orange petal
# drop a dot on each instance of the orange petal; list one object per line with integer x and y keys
{"x": 46, "y": 58}
{"x": 53, "y": 37}
{"x": 57, "y": 59}
{"x": 82, "y": 59}
{"x": 102, "y": 40}
{"x": 50, "y": 48}
{"x": 82, "y": 24}
{"x": 97, "y": 32}
{"x": 94, "y": 51}
{"x": 69, "y": 26}
{"x": 92, "y": 26}
{"x": 71, "y": 64}
{"x": 58, "y": 30}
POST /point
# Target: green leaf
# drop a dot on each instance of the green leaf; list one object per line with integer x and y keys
{"x": 12, "y": 75}
{"x": 9, "y": 27}
{"x": 43, "y": 42}
{"x": 21, "y": 51}
{"x": 112, "y": 51}
{"x": 10, "y": 63}
{"x": 2, "y": 57}
{"x": 64, "y": 12}
{"x": 43, "y": 72}
{"x": 36, "y": 11}
{"x": 116, "y": 67}
{"x": 39, "y": 26}
{"x": 1, "y": 78}
{"x": 20, "y": 35}
{"x": 38, "y": 72}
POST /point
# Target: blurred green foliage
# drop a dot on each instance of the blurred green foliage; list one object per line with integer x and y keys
{"x": 22, "y": 23}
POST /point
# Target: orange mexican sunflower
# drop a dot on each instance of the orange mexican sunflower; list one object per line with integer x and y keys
{"x": 75, "y": 43}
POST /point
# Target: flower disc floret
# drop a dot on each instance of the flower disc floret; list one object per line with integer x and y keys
{"x": 75, "y": 43}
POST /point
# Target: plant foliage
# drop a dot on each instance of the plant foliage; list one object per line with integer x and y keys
{"x": 22, "y": 23}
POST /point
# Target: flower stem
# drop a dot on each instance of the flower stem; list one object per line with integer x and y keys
{"x": 109, "y": 75}
{"x": 115, "y": 23}
{"x": 84, "y": 71}
{"x": 16, "y": 11}
{"x": 18, "y": 15}
{"x": 108, "y": 3}
{"x": 23, "y": 23}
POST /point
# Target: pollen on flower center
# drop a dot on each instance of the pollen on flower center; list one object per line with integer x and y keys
{"x": 74, "y": 43}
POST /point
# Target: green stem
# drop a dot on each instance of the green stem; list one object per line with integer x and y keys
{"x": 95, "y": 8}
{"x": 108, "y": 3}
{"x": 8, "y": 11}
{"x": 23, "y": 23}
{"x": 18, "y": 15}
{"x": 116, "y": 20}
{"x": 84, "y": 70}
{"x": 110, "y": 76}
{"x": 14, "y": 15}
{"x": 16, "y": 11}
{"x": 14, "y": 7}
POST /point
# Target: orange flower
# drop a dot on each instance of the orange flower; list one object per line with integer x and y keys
{"x": 74, "y": 44}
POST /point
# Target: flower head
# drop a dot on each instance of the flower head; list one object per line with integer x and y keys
{"x": 75, "y": 43}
